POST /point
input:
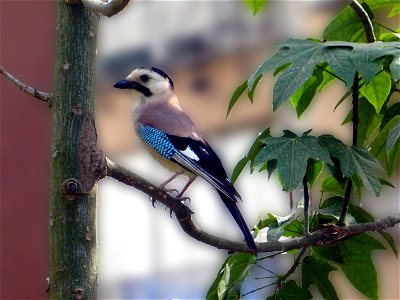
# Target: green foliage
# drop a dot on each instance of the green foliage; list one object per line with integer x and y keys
{"x": 292, "y": 153}
{"x": 377, "y": 90}
{"x": 353, "y": 256}
{"x": 276, "y": 225}
{"x": 354, "y": 160}
{"x": 379, "y": 147}
{"x": 343, "y": 57}
{"x": 395, "y": 11}
{"x": 291, "y": 290}
{"x": 393, "y": 137}
{"x": 254, "y": 149}
{"x": 320, "y": 78}
{"x": 346, "y": 26}
{"x": 234, "y": 270}
{"x": 236, "y": 95}
{"x": 255, "y": 5}
{"x": 316, "y": 271}
{"x": 303, "y": 68}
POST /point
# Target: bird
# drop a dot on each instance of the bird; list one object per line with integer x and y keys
{"x": 171, "y": 138}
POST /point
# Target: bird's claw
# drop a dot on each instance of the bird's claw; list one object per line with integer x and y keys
{"x": 153, "y": 201}
{"x": 183, "y": 199}
{"x": 171, "y": 191}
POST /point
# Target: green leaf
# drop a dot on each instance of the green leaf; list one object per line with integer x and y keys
{"x": 292, "y": 154}
{"x": 291, "y": 290}
{"x": 390, "y": 37}
{"x": 346, "y": 26}
{"x": 377, "y": 90}
{"x": 254, "y": 149}
{"x": 378, "y": 147}
{"x": 236, "y": 95}
{"x": 233, "y": 272}
{"x": 250, "y": 93}
{"x": 390, "y": 113}
{"x": 239, "y": 168}
{"x": 256, "y": 5}
{"x": 295, "y": 228}
{"x": 392, "y": 243}
{"x": 302, "y": 98}
{"x": 357, "y": 185}
{"x": 395, "y": 68}
{"x": 353, "y": 256}
{"x": 344, "y": 58}
{"x": 330, "y": 185}
{"x": 393, "y": 136}
{"x": 275, "y": 225}
{"x": 374, "y": 4}
{"x": 354, "y": 160}
{"x": 385, "y": 182}
{"x": 314, "y": 169}
{"x": 395, "y": 11}
{"x": 314, "y": 270}
{"x": 344, "y": 97}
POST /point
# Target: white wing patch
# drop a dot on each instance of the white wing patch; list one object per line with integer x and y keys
{"x": 189, "y": 153}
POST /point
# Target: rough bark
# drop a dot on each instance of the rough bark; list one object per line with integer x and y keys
{"x": 72, "y": 223}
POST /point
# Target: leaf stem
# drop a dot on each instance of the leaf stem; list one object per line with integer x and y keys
{"x": 355, "y": 91}
{"x": 387, "y": 28}
{"x": 345, "y": 203}
{"x": 306, "y": 206}
{"x": 365, "y": 20}
{"x": 331, "y": 73}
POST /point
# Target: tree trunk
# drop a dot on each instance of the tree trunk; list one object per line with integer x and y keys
{"x": 72, "y": 223}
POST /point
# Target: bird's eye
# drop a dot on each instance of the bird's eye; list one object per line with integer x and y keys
{"x": 144, "y": 78}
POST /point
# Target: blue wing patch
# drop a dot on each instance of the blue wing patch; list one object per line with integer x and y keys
{"x": 158, "y": 140}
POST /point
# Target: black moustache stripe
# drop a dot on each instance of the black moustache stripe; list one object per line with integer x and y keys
{"x": 144, "y": 90}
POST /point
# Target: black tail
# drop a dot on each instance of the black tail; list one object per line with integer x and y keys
{"x": 234, "y": 210}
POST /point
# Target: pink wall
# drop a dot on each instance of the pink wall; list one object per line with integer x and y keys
{"x": 27, "y": 51}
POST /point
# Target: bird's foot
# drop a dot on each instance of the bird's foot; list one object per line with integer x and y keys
{"x": 153, "y": 201}
{"x": 171, "y": 191}
{"x": 182, "y": 199}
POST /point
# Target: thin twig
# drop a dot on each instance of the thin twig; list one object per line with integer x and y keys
{"x": 25, "y": 88}
{"x": 294, "y": 266}
{"x": 326, "y": 236}
{"x": 330, "y": 73}
{"x": 306, "y": 206}
{"x": 106, "y": 8}
{"x": 365, "y": 20}
{"x": 379, "y": 24}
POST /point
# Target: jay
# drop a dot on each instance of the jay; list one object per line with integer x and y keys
{"x": 171, "y": 137}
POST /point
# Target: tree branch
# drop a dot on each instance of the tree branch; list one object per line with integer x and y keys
{"x": 365, "y": 20}
{"x": 106, "y": 8}
{"x": 27, "y": 89}
{"x": 328, "y": 235}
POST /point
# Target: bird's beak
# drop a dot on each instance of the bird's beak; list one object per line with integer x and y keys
{"x": 125, "y": 84}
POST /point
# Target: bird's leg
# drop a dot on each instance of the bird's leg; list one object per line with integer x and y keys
{"x": 179, "y": 196}
{"x": 162, "y": 185}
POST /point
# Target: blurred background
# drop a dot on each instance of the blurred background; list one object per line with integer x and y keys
{"x": 208, "y": 48}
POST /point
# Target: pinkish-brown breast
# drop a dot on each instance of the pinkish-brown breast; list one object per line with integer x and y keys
{"x": 168, "y": 117}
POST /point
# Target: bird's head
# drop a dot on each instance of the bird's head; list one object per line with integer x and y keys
{"x": 147, "y": 83}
